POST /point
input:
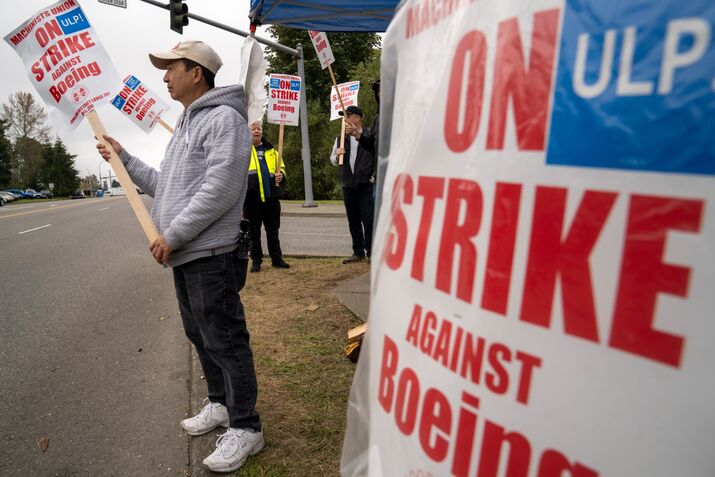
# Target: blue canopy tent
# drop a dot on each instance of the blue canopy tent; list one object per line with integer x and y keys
{"x": 324, "y": 15}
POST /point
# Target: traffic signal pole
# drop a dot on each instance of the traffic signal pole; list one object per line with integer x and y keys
{"x": 179, "y": 14}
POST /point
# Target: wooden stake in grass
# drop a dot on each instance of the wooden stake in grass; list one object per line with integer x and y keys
{"x": 137, "y": 205}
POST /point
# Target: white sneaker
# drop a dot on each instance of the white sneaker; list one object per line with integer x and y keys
{"x": 213, "y": 415}
{"x": 233, "y": 448}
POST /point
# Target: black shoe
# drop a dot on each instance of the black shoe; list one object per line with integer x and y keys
{"x": 255, "y": 267}
{"x": 354, "y": 259}
{"x": 280, "y": 263}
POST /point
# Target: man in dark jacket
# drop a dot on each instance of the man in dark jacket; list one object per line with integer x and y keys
{"x": 368, "y": 138}
{"x": 357, "y": 178}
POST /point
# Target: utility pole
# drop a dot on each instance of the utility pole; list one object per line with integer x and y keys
{"x": 179, "y": 17}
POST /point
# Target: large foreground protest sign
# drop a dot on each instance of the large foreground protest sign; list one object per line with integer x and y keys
{"x": 542, "y": 302}
{"x": 65, "y": 62}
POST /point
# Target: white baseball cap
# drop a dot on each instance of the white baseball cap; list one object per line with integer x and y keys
{"x": 193, "y": 50}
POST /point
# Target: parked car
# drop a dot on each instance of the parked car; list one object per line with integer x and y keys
{"x": 7, "y": 196}
{"x": 33, "y": 194}
{"x": 19, "y": 194}
{"x": 78, "y": 194}
{"x": 46, "y": 194}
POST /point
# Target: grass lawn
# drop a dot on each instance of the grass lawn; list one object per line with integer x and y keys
{"x": 298, "y": 332}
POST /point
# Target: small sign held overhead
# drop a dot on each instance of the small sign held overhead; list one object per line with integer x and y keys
{"x": 115, "y": 3}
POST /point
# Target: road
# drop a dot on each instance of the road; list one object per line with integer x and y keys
{"x": 93, "y": 354}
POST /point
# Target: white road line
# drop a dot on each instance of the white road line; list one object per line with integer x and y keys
{"x": 103, "y": 208}
{"x": 36, "y": 228}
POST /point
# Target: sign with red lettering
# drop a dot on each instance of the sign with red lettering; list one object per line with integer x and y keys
{"x": 65, "y": 62}
{"x": 349, "y": 94}
{"x": 322, "y": 48}
{"x": 543, "y": 262}
{"x": 139, "y": 104}
{"x": 283, "y": 99}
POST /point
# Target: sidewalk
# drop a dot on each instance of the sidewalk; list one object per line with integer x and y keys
{"x": 296, "y": 209}
{"x": 354, "y": 294}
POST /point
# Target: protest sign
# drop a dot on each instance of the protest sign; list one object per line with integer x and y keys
{"x": 541, "y": 299}
{"x": 322, "y": 48}
{"x": 137, "y": 102}
{"x": 73, "y": 74}
{"x": 348, "y": 93}
{"x": 283, "y": 99}
{"x": 65, "y": 62}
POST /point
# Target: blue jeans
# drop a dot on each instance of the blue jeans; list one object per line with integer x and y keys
{"x": 359, "y": 207}
{"x": 214, "y": 321}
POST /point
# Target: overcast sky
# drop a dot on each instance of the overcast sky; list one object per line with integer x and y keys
{"x": 128, "y": 35}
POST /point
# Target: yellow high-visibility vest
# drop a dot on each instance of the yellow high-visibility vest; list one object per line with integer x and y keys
{"x": 271, "y": 157}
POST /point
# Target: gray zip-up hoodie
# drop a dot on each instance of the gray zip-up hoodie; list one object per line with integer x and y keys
{"x": 201, "y": 185}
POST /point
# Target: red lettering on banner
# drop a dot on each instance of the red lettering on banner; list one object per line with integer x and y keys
{"x": 502, "y": 240}
{"x": 56, "y": 53}
{"x": 76, "y": 74}
{"x": 440, "y": 437}
{"x": 550, "y": 256}
{"x": 555, "y": 252}
{"x": 397, "y": 238}
{"x": 431, "y": 189}
{"x": 475, "y": 45}
{"x": 644, "y": 275}
{"x": 49, "y": 31}
{"x": 458, "y": 233}
{"x": 554, "y": 464}
{"x": 456, "y": 348}
{"x": 436, "y": 421}
{"x": 529, "y": 89}
{"x": 388, "y": 369}
{"x": 519, "y": 452}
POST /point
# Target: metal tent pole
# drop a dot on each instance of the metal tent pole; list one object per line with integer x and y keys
{"x": 305, "y": 149}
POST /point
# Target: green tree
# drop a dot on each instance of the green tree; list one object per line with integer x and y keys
{"x": 58, "y": 168}
{"x": 5, "y": 158}
{"x": 357, "y": 57}
{"x": 26, "y": 122}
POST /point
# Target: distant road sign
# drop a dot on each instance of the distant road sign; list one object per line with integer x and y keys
{"x": 115, "y": 3}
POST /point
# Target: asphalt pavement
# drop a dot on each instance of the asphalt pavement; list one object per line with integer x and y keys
{"x": 96, "y": 371}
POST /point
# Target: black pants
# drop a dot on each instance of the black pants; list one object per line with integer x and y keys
{"x": 268, "y": 214}
{"x": 214, "y": 321}
{"x": 359, "y": 206}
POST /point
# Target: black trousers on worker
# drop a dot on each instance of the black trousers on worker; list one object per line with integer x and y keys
{"x": 359, "y": 206}
{"x": 268, "y": 214}
{"x": 214, "y": 321}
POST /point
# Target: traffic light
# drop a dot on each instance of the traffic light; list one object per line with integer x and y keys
{"x": 178, "y": 15}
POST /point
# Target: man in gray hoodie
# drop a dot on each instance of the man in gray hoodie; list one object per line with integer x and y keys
{"x": 198, "y": 200}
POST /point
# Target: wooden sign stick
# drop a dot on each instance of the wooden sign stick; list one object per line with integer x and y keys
{"x": 345, "y": 114}
{"x": 342, "y": 139}
{"x": 280, "y": 148}
{"x": 137, "y": 205}
{"x": 166, "y": 126}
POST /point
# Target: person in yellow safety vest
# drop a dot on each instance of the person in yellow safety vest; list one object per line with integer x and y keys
{"x": 262, "y": 205}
